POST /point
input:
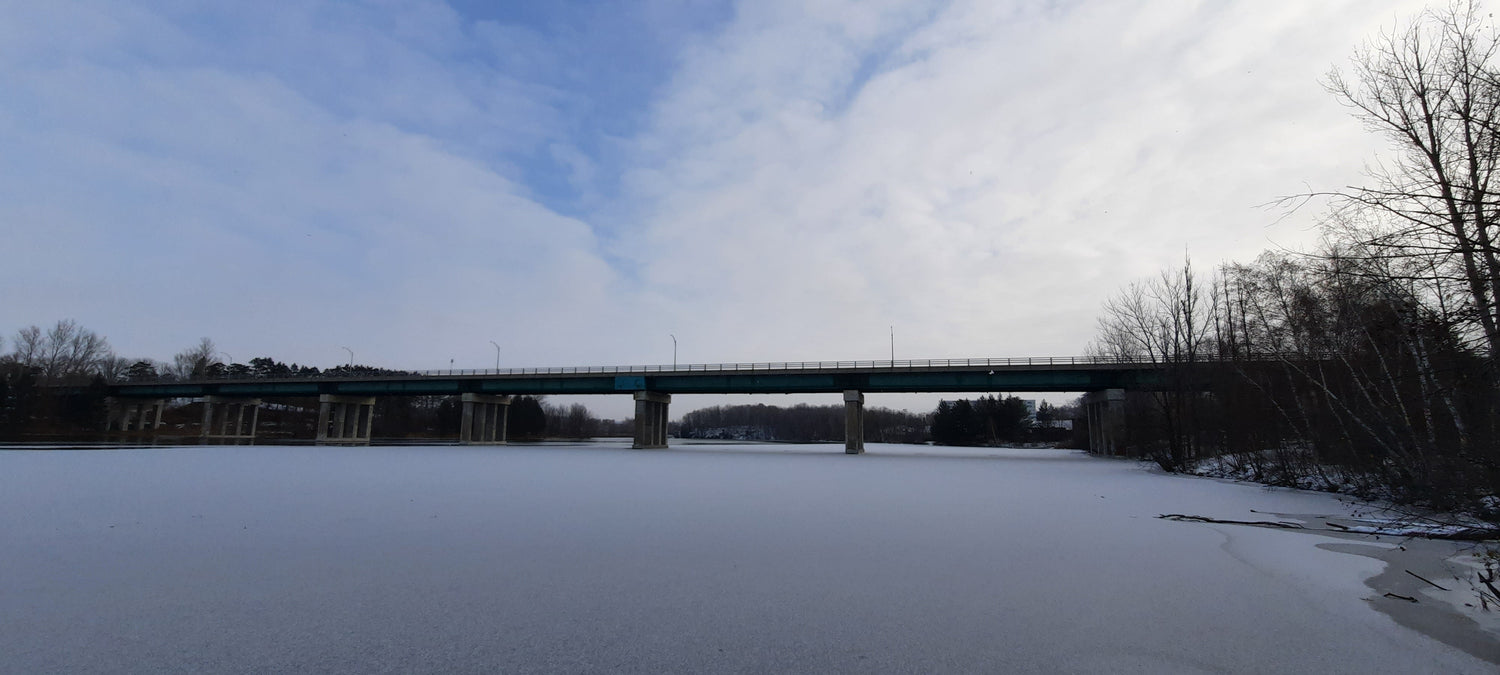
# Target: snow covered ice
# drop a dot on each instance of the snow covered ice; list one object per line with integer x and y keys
{"x": 699, "y": 558}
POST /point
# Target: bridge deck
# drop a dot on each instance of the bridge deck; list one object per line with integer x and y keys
{"x": 911, "y": 376}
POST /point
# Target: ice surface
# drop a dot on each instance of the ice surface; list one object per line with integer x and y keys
{"x": 699, "y": 558}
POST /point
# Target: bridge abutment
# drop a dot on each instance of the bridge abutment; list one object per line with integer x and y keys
{"x": 484, "y": 419}
{"x": 854, "y": 423}
{"x": 651, "y": 419}
{"x": 135, "y": 415}
{"x": 1106, "y": 419}
{"x": 345, "y": 420}
{"x": 224, "y": 418}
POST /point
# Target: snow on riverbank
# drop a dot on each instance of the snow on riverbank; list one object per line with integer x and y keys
{"x": 698, "y": 558}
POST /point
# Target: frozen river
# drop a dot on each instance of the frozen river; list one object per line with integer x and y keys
{"x": 705, "y": 558}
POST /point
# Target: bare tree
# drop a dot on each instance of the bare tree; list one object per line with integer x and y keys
{"x": 72, "y": 351}
{"x": 1375, "y": 359}
{"x": 28, "y": 346}
{"x": 113, "y": 367}
{"x": 195, "y": 361}
{"x": 1431, "y": 88}
{"x": 65, "y": 351}
{"x": 1163, "y": 321}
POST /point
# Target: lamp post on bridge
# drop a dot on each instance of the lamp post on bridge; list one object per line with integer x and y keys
{"x": 674, "y": 351}
{"x": 351, "y": 356}
{"x": 497, "y": 355}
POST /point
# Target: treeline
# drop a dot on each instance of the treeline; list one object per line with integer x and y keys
{"x": 800, "y": 423}
{"x": 1309, "y": 371}
{"x": 992, "y": 421}
{"x": 1369, "y": 364}
{"x": 64, "y": 354}
{"x": 577, "y": 422}
{"x": 53, "y": 384}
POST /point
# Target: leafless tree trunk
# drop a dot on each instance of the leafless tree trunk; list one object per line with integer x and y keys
{"x": 114, "y": 368}
{"x": 1162, "y": 321}
{"x": 29, "y": 346}
{"x": 1431, "y": 88}
{"x": 194, "y": 361}
{"x": 65, "y": 351}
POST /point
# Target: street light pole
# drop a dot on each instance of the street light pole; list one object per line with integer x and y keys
{"x": 351, "y": 356}
{"x": 497, "y": 356}
{"x": 674, "y": 351}
{"x": 893, "y": 345}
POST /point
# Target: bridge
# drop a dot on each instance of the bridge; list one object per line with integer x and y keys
{"x": 346, "y": 403}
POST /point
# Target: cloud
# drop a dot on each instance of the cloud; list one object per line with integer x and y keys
{"x": 979, "y": 175}
{"x": 162, "y": 198}
{"x": 766, "y": 180}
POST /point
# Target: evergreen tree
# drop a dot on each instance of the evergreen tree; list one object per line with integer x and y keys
{"x": 141, "y": 371}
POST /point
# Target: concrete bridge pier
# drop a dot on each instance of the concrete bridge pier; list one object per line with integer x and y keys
{"x": 854, "y": 422}
{"x": 136, "y": 415}
{"x": 345, "y": 420}
{"x": 224, "y": 418}
{"x": 651, "y": 419}
{"x": 1106, "y": 419}
{"x": 484, "y": 419}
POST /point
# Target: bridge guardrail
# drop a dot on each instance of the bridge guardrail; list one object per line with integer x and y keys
{"x": 701, "y": 368}
{"x": 785, "y": 365}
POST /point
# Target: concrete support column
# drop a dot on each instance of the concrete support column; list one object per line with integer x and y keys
{"x": 1096, "y": 432}
{"x": 854, "y": 422}
{"x": 239, "y": 419}
{"x": 208, "y": 417}
{"x": 226, "y": 419}
{"x": 345, "y": 420}
{"x": 482, "y": 421}
{"x": 651, "y": 416}
{"x": 132, "y": 414}
{"x": 484, "y": 418}
{"x": 229, "y": 413}
{"x": 1092, "y": 419}
{"x": 1101, "y": 437}
{"x": 661, "y": 423}
{"x": 369, "y": 413}
{"x": 324, "y": 408}
{"x": 1105, "y": 411}
{"x": 645, "y": 422}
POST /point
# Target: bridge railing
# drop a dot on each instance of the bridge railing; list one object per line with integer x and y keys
{"x": 342, "y": 373}
{"x": 788, "y": 365}
{"x": 807, "y": 365}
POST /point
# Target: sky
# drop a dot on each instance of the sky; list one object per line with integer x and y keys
{"x": 581, "y": 182}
